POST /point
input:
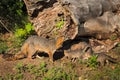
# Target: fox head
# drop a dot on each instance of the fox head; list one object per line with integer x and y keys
{"x": 59, "y": 42}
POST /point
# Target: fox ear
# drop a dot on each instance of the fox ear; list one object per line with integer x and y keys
{"x": 59, "y": 41}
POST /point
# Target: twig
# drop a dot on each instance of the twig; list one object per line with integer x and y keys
{"x": 5, "y": 26}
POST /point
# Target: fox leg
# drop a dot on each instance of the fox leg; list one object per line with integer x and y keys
{"x": 19, "y": 55}
{"x": 51, "y": 56}
{"x": 23, "y": 53}
{"x": 31, "y": 52}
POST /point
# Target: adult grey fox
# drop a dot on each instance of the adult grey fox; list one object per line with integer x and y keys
{"x": 36, "y": 43}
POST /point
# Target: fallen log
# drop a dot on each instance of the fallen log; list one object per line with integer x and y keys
{"x": 102, "y": 27}
{"x": 52, "y": 18}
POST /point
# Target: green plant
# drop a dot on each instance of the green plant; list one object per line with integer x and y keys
{"x": 42, "y": 65}
{"x": 117, "y": 49}
{"x": 92, "y": 61}
{"x": 20, "y": 35}
{"x": 60, "y": 24}
{"x": 30, "y": 66}
{"x": 20, "y": 67}
{"x": 8, "y": 77}
{"x": 113, "y": 37}
{"x": 13, "y": 12}
{"x": 18, "y": 76}
{"x": 1, "y": 78}
{"x": 20, "y": 32}
{"x": 29, "y": 28}
{"x": 59, "y": 74}
{"x": 3, "y": 46}
{"x": 114, "y": 74}
{"x": 105, "y": 74}
{"x": 55, "y": 32}
{"x": 118, "y": 44}
{"x": 23, "y": 32}
{"x": 38, "y": 71}
{"x": 82, "y": 61}
{"x": 53, "y": 74}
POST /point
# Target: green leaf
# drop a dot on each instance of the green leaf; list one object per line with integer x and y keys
{"x": 20, "y": 32}
{"x": 29, "y": 27}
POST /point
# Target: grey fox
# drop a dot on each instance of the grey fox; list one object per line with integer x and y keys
{"x": 36, "y": 43}
{"x": 74, "y": 54}
{"x": 102, "y": 58}
{"x": 80, "y": 45}
{"x": 78, "y": 53}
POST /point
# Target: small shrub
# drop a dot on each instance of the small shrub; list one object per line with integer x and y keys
{"x": 29, "y": 28}
{"x": 20, "y": 33}
{"x": 23, "y": 32}
{"x": 20, "y": 36}
{"x": 92, "y": 61}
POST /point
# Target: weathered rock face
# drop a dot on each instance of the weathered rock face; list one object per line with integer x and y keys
{"x": 53, "y": 18}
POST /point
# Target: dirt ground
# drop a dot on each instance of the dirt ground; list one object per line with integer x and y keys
{"x": 74, "y": 70}
{"x": 83, "y": 72}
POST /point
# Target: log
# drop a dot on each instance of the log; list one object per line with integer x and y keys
{"x": 82, "y": 10}
{"x": 53, "y": 18}
{"x": 102, "y": 27}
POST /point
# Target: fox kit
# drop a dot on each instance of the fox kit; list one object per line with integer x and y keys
{"x": 72, "y": 54}
{"x": 36, "y": 43}
{"x": 102, "y": 58}
{"x": 78, "y": 53}
{"x": 80, "y": 45}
